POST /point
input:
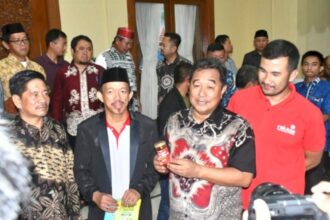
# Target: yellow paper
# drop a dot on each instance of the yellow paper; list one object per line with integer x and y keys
{"x": 124, "y": 213}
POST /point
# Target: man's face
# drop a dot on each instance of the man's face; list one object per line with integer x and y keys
{"x": 260, "y": 43}
{"x": 167, "y": 48}
{"x": 274, "y": 77}
{"x": 228, "y": 46}
{"x": 59, "y": 46}
{"x": 34, "y": 101}
{"x": 218, "y": 54}
{"x": 311, "y": 67}
{"x": 18, "y": 45}
{"x": 115, "y": 96}
{"x": 83, "y": 52}
{"x": 123, "y": 45}
{"x": 327, "y": 67}
{"x": 205, "y": 92}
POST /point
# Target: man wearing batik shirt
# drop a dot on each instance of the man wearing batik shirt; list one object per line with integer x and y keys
{"x": 318, "y": 92}
{"x": 16, "y": 41}
{"x": 119, "y": 56}
{"x": 74, "y": 93}
{"x": 165, "y": 68}
{"x": 42, "y": 140}
{"x": 212, "y": 152}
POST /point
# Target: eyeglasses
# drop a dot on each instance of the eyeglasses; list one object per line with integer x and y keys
{"x": 19, "y": 42}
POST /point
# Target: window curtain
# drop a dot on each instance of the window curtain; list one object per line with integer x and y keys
{"x": 148, "y": 19}
{"x": 185, "y": 18}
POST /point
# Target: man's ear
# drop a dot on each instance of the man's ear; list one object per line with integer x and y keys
{"x": 130, "y": 95}
{"x": 223, "y": 90}
{"x": 100, "y": 96}
{"x": 293, "y": 75}
{"x": 17, "y": 101}
{"x": 5, "y": 45}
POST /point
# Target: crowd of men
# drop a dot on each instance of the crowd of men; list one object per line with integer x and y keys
{"x": 79, "y": 125}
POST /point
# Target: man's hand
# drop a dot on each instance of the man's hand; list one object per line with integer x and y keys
{"x": 159, "y": 165}
{"x": 184, "y": 167}
{"x": 105, "y": 201}
{"x": 130, "y": 197}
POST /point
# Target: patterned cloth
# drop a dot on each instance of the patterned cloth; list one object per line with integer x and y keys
{"x": 54, "y": 191}
{"x": 10, "y": 65}
{"x": 230, "y": 65}
{"x": 113, "y": 58}
{"x": 222, "y": 140}
{"x": 231, "y": 88}
{"x": 165, "y": 75}
{"x": 318, "y": 92}
{"x": 74, "y": 94}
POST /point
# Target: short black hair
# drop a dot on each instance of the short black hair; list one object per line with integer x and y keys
{"x": 211, "y": 63}
{"x": 54, "y": 34}
{"x": 246, "y": 74}
{"x": 17, "y": 83}
{"x": 221, "y": 39}
{"x": 78, "y": 38}
{"x": 174, "y": 38}
{"x": 181, "y": 71}
{"x": 313, "y": 53}
{"x": 282, "y": 48}
{"x": 215, "y": 47}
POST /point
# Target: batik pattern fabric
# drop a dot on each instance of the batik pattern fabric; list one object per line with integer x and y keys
{"x": 75, "y": 93}
{"x": 10, "y": 65}
{"x": 231, "y": 88}
{"x": 165, "y": 76}
{"x": 54, "y": 193}
{"x": 223, "y": 140}
{"x": 318, "y": 92}
{"x": 114, "y": 58}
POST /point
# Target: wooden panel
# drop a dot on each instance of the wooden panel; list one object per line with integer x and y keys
{"x": 37, "y": 17}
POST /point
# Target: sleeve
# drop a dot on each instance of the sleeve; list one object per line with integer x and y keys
{"x": 150, "y": 177}
{"x": 100, "y": 60}
{"x": 231, "y": 104}
{"x": 72, "y": 192}
{"x": 57, "y": 97}
{"x": 245, "y": 60}
{"x": 82, "y": 164}
{"x": 242, "y": 154}
{"x": 325, "y": 108}
{"x": 314, "y": 135}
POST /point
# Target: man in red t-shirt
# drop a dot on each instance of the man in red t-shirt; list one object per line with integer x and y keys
{"x": 289, "y": 130}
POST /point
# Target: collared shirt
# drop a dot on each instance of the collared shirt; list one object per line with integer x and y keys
{"x": 54, "y": 192}
{"x": 10, "y": 65}
{"x": 165, "y": 75}
{"x": 50, "y": 67}
{"x": 283, "y": 132}
{"x": 119, "y": 144}
{"x": 318, "y": 92}
{"x": 222, "y": 140}
{"x": 74, "y": 95}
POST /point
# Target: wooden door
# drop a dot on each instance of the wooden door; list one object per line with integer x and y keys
{"x": 37, "y": 17}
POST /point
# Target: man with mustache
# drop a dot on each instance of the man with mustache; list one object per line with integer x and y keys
{"x": 16, "y": 41}
{"x": 289, "y": 130}
{"x": 118, "y": 55}
{"x": 114, "y": 152}
{"x": 212, "y": 151}
{"x": 42, "y": 140}
{"x": 73, "y": 98}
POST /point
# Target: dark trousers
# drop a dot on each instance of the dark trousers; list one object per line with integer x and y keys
{"x": 164, "y": 206}
{"x": 315, "y": 175}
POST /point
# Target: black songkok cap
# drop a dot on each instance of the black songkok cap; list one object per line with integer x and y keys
{"x": 261, "y": 33}
{"x": 9, "y": 29}
{"x": 115, "y": 74}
